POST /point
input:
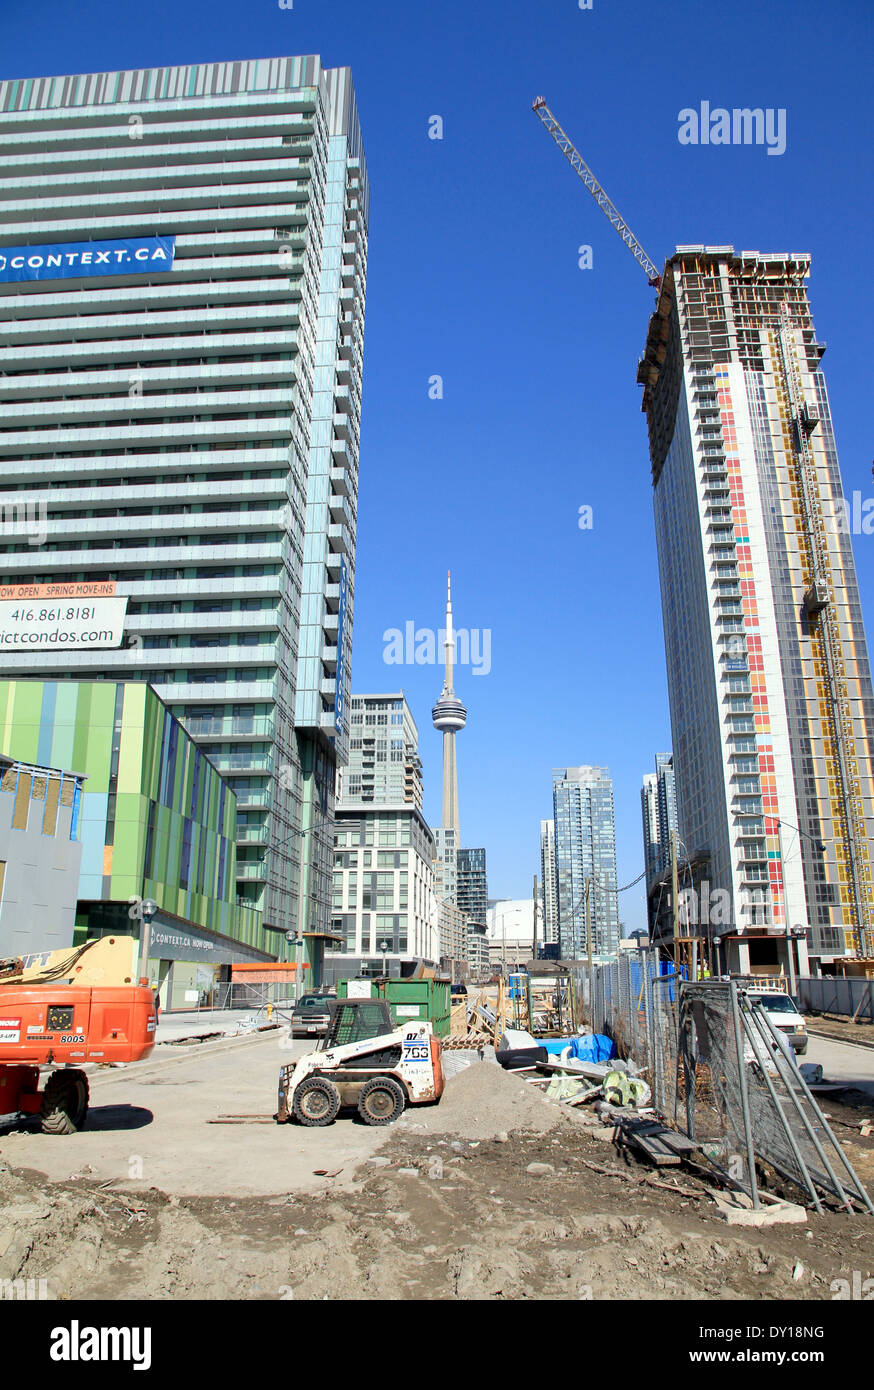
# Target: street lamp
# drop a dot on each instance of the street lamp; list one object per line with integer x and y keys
{"x": 717, "y": 942}
{"x": 383, "y": 946}
{"x": 149, "y": 910}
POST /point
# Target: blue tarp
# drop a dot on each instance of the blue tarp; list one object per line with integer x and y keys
{"x": 592, "y": 1047}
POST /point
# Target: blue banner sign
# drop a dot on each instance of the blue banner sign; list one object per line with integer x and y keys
{"x": 72, "y": 259}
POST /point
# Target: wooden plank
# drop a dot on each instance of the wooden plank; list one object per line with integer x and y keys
{"x": 655, "y": 1152}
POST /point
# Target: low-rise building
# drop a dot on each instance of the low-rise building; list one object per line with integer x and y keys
{"x": 40, "y": 856}
{"x": 384, "y": 907}
{"x": 478, "y": 950}
{"x": 157, "y": 825}
{"x": 510, "y": 927}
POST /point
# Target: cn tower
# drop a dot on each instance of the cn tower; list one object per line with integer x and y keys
{"x": 449, "y": 715}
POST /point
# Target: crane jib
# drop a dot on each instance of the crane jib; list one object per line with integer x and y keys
{"x": 579, "y": 165}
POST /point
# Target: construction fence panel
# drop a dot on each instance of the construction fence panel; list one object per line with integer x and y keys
{"x": 719, "y": 1072}
{"x": 837, "y": 994}
{"x": 635, "y": 1004}
{"x": 744, "y": 1097}
{"x": 243, "y": 995}
{"x": 664, "y": 1044}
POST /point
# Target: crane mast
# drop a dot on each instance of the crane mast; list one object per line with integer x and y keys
{"x": 579, "y": 165}
{"x": 819, "y": 603}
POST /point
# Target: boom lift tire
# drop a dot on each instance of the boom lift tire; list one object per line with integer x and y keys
{"x": 65, "y": 1102}
{"x": 381, "y": 1100}
{"x": 316, "y": 1102}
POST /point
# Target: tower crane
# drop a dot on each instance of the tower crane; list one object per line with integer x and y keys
{"x": 577, "y": 163}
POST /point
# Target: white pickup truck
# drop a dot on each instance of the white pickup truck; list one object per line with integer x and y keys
{"x": 784, "y": 1016}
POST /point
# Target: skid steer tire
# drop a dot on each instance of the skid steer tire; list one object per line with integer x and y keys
{"x": 316, "y": 1102}
{"x": 64, "y": 1102}
{"x": 381, "y": 1100}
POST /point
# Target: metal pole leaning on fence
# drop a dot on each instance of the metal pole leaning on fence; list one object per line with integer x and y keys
{"x": 744, "y": 1095}
{"x": 776, "y": 1052}
{"x": 766, "y": 1026}
{"x": 647, "y": 1015}
{"x": 793, "y": 1143}
{"x": 689, "y": 1067}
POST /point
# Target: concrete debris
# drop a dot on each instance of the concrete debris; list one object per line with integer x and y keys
{"x": 736, "y": 1209}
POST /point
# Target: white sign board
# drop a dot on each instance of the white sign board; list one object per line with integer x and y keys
{"x": 358, "y": 989}
{"x": 58, "y": 624}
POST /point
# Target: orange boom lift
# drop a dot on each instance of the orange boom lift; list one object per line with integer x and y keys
{"x": 64, "y": 1008}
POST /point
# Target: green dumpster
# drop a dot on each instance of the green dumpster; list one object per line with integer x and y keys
{"x": 409, "y": 999}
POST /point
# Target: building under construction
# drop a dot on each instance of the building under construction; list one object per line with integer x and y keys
{"x": 770, "y": 690}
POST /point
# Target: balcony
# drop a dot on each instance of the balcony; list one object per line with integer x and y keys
{"x": 253, "y": 799}
{"x": 241, "y": 762}
{"x": 259, "y": 726}
{"x": 252, "y": 835}
{"x": 341, "y": 452}
{"x": 341, "y": 511}
{"x": 340, "y": 481}
{"x": 251, "y": 872}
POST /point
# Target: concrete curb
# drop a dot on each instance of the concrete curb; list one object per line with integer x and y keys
{"x": 180, "y": 1054}
{"x": 830, "y": 1037}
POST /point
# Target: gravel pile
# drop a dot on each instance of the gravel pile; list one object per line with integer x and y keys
{"x": 483, "y": 1101}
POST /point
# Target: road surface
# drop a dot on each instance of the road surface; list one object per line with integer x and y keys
{"x": 843, "y": 1061}
{"x": 148, "y": 1126}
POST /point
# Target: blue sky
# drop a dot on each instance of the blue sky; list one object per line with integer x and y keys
{"x": 473, "y": 276}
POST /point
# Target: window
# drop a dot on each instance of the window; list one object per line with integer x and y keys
{"x": 22, "y": 801}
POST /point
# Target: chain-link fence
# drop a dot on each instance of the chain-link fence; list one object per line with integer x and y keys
{"x": 744, "y": 1095}
{"x": 238, "y": 994}
{"x": 719, "y": 1071}
{"x": 634, "y": 1002}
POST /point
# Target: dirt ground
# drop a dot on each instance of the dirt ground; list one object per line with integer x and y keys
{"x": 448, "y": 1209}
{"x": 840, "y": 1028}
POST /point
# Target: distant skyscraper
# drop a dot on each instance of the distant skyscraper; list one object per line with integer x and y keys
{"x": 772, "y": 713}
{"x": 181, "y": 397}
{"x": 548, "y": 882}
{"x": 585, "y": 849}
{"x": 659, "y": 806}
{"x": 384, "y": 763}
{"x": 472, "y": 890}
{"x": 659, "y": 810}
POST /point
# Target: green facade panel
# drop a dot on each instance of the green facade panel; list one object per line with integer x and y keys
{"x": 155, "y": 803}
